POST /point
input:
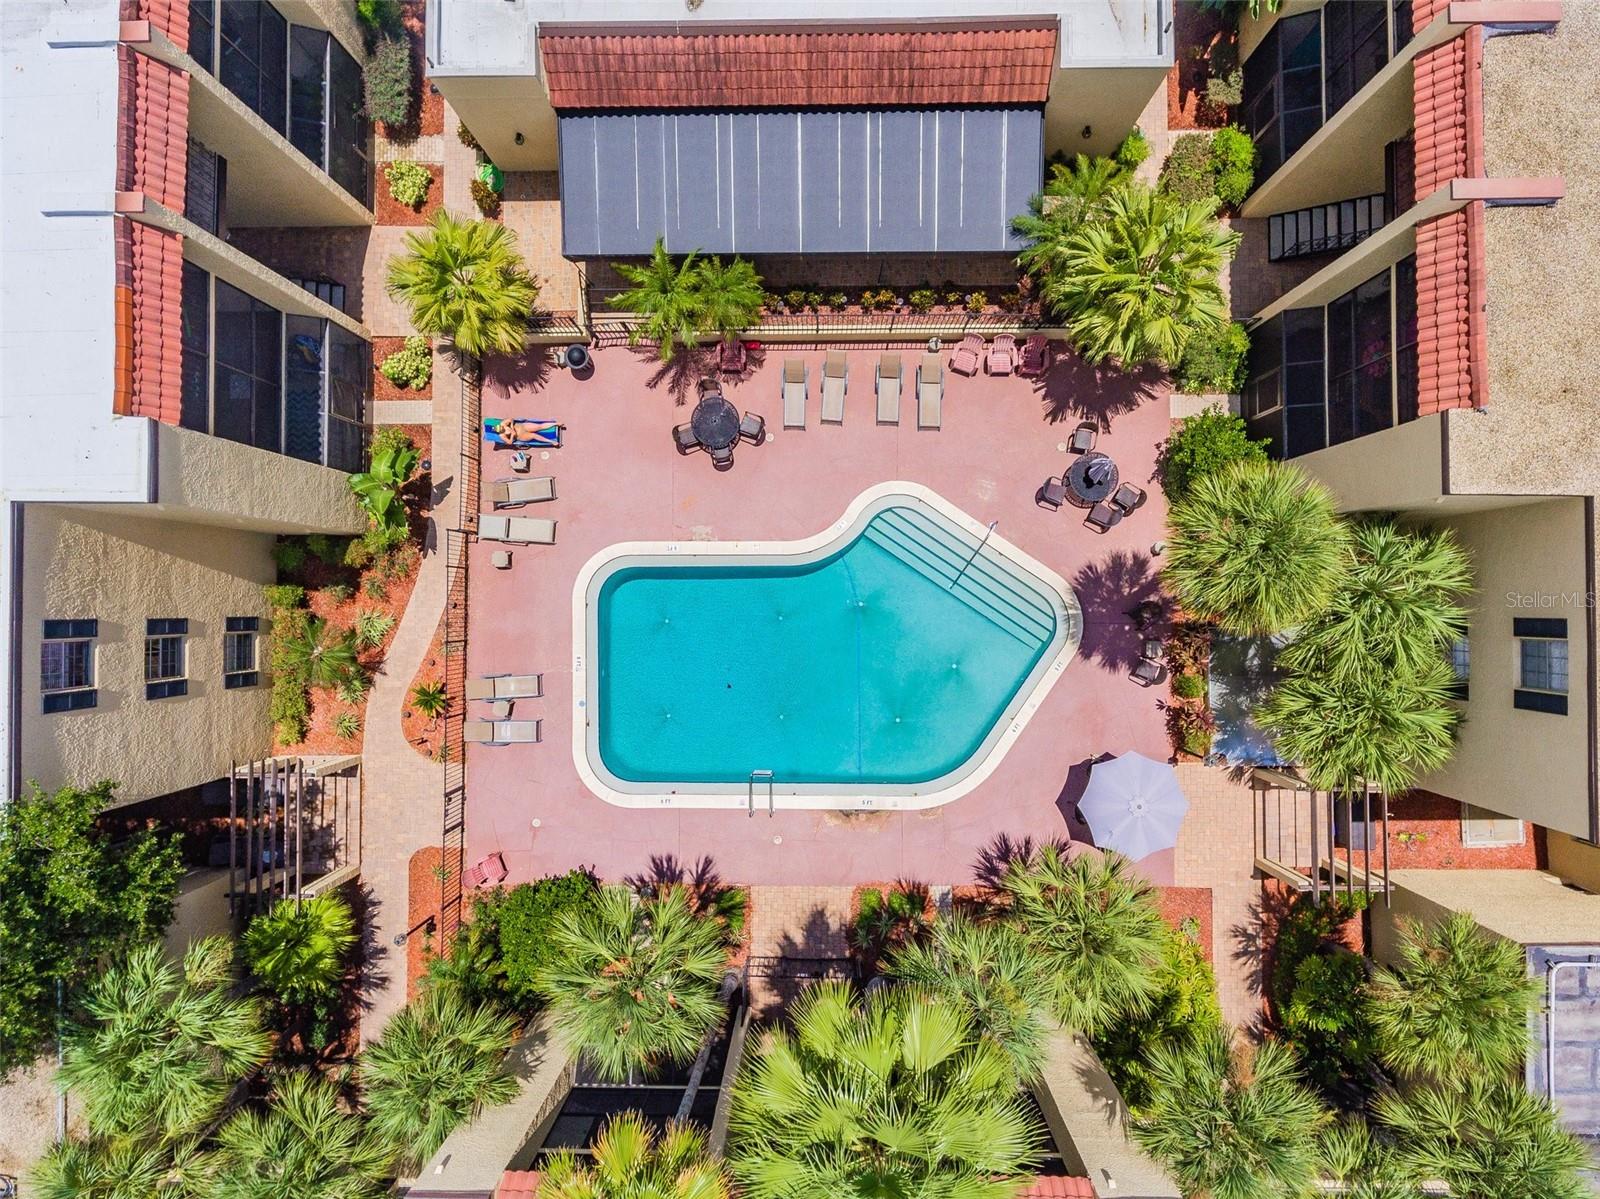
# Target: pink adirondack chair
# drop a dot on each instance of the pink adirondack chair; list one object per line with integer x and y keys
{"x": 1002, "y": 358}
{"x": 1035, "y": 356}
{"x": 733, "y": 356}
{"x": 490, "y": 872}
{"x": 968, "y": 355}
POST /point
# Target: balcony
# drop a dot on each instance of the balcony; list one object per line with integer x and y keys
{"x": 1326, "y": 229}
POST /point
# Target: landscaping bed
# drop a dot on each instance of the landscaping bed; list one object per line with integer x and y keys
{"x": 384, "y": 388}
{"x": 426, "y": 734}
{"x": 392, "y": 212}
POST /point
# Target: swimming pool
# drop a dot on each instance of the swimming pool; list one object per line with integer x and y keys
{"x": 886, "y": 662}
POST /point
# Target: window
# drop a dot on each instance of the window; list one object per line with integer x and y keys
{"x": 1405, "y": 338}
{"x": 66, "y": 665}
{"x": 164, "y": 674}
{"x": 308, "y": 81}
{"x": 195, "y": 310}
{"x": 247, "y": 397}
{"x": 1483, "y": 829}
{"x": 1283, "y": 90}
{"x": 255, "y": 58}
{"x": 239, "y": 652}
{"x": 1461, "y": 663}
{"x": 1360, "y": 386}
{"x": 202, "y": 31}
{"x": 1541, "y": 665}
{"x": 347, "y": 125}
{"x": 1355, "y": 46}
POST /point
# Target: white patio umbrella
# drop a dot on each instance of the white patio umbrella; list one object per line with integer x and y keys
{"x": 1133, "y": 805}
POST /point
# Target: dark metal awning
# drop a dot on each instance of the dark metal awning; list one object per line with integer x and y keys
{"x": 935, "y": 180}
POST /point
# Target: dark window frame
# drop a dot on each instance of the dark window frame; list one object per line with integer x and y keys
{"x": 68, "y": 635}
{"x": 241, "y": 630}
{"x": 167, "y": 640}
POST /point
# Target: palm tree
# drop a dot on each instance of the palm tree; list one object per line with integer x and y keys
{"x": 298, "y": 950}
{"x": 1257, "y": 546}
{"x": 729, "y": 297}
{"x": 898, "y": 1097}
{"x": 1232, "y": 1122}
{"x": 991, "y": 972}
{"x": 1071, "y": 195}
{"x": 1094, "y": 923}
{"x": 1383, "y": 729}
{"x": 1365, "y": 1166}
{"x": 633, "y": 985}
{"x": 666, "y": 295}
{"x": 630, "y": 1162}
{"x": 1458, "y": 1004}
{"x": 1136, "y": 279}
{"x": 110, "y": 1168}
{"x": 438, "y": 1062}
{"x": 304, "y": 1146}
{"x": 161, "y": 1045}
{"x": 320, "y": 654}
{"x": 465, "y": 280}
{"x": 1486, "y": 1137}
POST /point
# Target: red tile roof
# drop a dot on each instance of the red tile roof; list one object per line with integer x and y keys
{"x": 169, "y": 16}
{"x": 517, "y": 1184}
{"x": 799, "y": 69}
{"x": 1057, "y": 1187}
{"x": 157, "y": 294}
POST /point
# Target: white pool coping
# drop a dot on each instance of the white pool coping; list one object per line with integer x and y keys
{"x": 972, "y": 772}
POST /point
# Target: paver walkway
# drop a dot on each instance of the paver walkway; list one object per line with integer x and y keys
{"x": 804, "y": 925}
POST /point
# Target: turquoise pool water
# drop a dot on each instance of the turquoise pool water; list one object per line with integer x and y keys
{"x": 885, "y": 662}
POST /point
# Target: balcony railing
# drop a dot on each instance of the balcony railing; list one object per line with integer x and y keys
{"x": 609, "y": 328}
{"x": 1325, "y": 229}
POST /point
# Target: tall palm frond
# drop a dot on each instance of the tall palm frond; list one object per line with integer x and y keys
{"x": 1232, "y": 1122}
{"x": 1257, "y": 546}
{"x": 1364, "y": 1165}
{"x": 1071, "y": 195}
{"x": 465, "y": 280}
{"x": 1456, "y": 1005}
{"x": 666, "y": 295}
{"x": 439, "y": 1061}
{"x": 630, "y": 1161}
{"x": 728, "y": 296}
{"x": 299, "y": 949}
{"x": 319, "y": 653}
{"x": 160, "y": 1045}
{"x": 633, "y": 985}
{"x": 991, "y": 972}
{"x": 114, "y": 1168}
{"x": 898, "y": 1096}
{"x": 304, "y": 1146}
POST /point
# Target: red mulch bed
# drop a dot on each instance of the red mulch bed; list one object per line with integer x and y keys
{"x": 423, "y": 894}
{"x": 1182, "y": 903}
{"x": 1425, "y": 831}
{"x": 431, "y": 118}
{"x": 382, "y": 388}
{"x": 1195, "y": 31}
{"x": 425, "y": 734}
{"x": 391, "y": 212}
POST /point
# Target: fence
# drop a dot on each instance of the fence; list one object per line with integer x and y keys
{"x": 897, "y": 325}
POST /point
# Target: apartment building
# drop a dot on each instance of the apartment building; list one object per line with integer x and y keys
{"x": 168, "y": 404}
{"x": 1420, "y": 225}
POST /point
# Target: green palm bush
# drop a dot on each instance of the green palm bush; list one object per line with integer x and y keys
{"x": 299, "y": 950}
{"x": 430, "y": 698}
{"x": 991, "y": 972}
{"x": 1486, "y": 1138}
{"x": 372, "y": 626}
{"x": 1366, "y": 1166}
{"x": 729, "y": 296}
{"x": 122, "y": 1168}
{"x": 317, "y": 654}
{"x": 630, "y": 1162}
{"x": 1257, "y": 545}
{"x": 377, "y": 489}
{"x": 1073, "y": 194}
{"x": 633, "y": 985}
{"x": 465, "y": 280}
{"x": 1232, "y": 1122}
{"x": 1132, "y": 282}
{"x": 1094, "y": 923}
{"x": 160, "y": 1044}
{"x": 665, "y": 294}
{"x": 900, "y": 1096}
{"x": 1456, "y": 1006}
{"x": 303, "y": 1146}
{"x": 440, "y": 1060}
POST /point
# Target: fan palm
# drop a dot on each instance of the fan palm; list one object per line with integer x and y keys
{"x": 1136, "y": 279}
{"x": 1257, "y": 546}
{"x": 161, "y": 1045}
{"x": 1094, "y": 924}
{"x": 990, "y": 972}
{"x": 120, "y": 1168}
{"x": 1232, "y": 1122}
{"x": 1364, "y": 1166}
{"x": 438, "y": 1062}
{"x": 898, "y": 1097}
{"x": 666, "y": 295}
{"x": 302, "y": 1147}
{"x": 630, "y": 1162}
{"x": 1487, "y": 1138}
{"x": 320, "y": 654}
{"x": 728, "y": 297}
{"x": 299, "y": 949}
{"x": 1071, "y": 195}
{"x": 1457, "y": 1006}
{"x": 633, "y": 986}
{"x": 465, "y": 280}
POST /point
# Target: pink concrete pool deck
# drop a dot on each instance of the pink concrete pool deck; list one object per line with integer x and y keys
{"x": 619, "y": 478}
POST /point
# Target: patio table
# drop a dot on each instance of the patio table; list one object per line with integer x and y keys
{"x": 1091, "y": 479}
{"x": 715, "y": 422}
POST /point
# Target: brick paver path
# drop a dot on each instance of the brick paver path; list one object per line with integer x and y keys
{"x": 796, "y": 923}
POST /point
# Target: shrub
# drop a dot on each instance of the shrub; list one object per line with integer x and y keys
{"x": 464, "y": 136}
{"x": 794, "y": 299}
{"x": 399, "y": 562}
{"x": 389, "y": 82}
{"x": 284, "y": 595}
{"x": 431, "y": 699}
{"x": 298, "y": 951}
{"x": 922, "y": 300}
{"x": 290, "y": 705}
{"x": 977, "y": 301}
{"x": 354, "y": 689}
{"x": 372, "y": 626}
{"x": 838, "y": 300}
{"x": 357, "y": 554}
{"x": 517, "y": 926}
{"x": 1204, "y": 444}
{"x": 1189, "y": 649}
{"x": 889, "y": 920}
{"x": 1189, "y": 686}
{"x": 485, "y": 197}
{"x": 289, "y": 554}
{"x": 1190, "y": 729}
{"x": 1132, "y": 150}
{"x": 314, "y": 653}
{"x": 338, "y": 592}
{"x": 326, "y": 548}
{"x": 678, "y": 300}
{"x": 1225, "y": 89}
{"x": 347, "y": 725}
{"x": 465, "y": 280}
{"x": 373, "y": 586}
{"x": 1189, "y": 174}
{"x": 409, "y": 182}
{"x": 379, "y": 16}
{"x": 411, "y": 366}
{"x": 813, "y": 300}
{"x": 393, "y": 459}
{"x": 1233, "y": 159}
{"x": 1214, "y": 360}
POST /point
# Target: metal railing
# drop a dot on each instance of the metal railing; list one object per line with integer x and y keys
{"x": 1326, "y": 228}
{"x": 898, "y": 325}
{"x": 756, "y": 777}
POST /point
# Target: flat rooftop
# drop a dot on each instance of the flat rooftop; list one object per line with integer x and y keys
{"x": 1529, "y": 907}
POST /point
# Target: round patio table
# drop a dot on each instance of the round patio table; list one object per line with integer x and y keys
{"x": 1092, "y": 478}
{"x": 715, "y": 422}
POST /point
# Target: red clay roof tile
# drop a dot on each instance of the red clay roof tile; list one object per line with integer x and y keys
{"x": 517, "y": 1184}
{"x": 1058, "y": 1187}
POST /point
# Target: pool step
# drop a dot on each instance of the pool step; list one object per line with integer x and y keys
{"x": 942, "y": 554}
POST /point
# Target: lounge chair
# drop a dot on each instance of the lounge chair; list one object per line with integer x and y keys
{"x": 796, "y": 383}
{"x": 513, "y": 493}
{"x": 722, "y": 457}
{"x": 732, "y": 359}
{"x": 488, "y": 872}
{"x": 505, "y": 686}
{"x": 683, "y": 437}
{"x": 835, "y": 382}
{"x": 1052, "y": 493}
{"x": 547, "y": 434}
{"x": 1102, "y": 516}
{"x": 1002, "y": 357}
{"x": 887, "y": 385}
{"x": 501, "y": 732}
{"x": 1035, "y": 358}
{"x": 527, "y": 530}
{"x": 930, "y": 392}
{"x": 1084, "y": 437}
{"x": 968, "y": 355}
{"x": 1127, "y": 497}
{"x": 753, "y": 428}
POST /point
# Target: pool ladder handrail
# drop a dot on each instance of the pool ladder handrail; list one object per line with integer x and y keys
{"x": 974, "y": 555}
{"x": 750, "y": 791}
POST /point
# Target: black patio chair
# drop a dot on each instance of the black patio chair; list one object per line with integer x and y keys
{"x": 1102, "y": 517}
{"x": 683, "y": 437}
{"x": 1127, "y": 498}
{"x": 1052, "y": 493}
{"x": 722, "y": 458}
{"x": 1084, "y": 437}
{"x": 753, "y": 428}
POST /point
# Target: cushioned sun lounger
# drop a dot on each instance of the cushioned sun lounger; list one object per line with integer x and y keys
{"x": 548, "y": 433}
{"x": 529, "y": 530}
{"x": 501, "y": 732}
{"x": 835, "y": 382}
{"x": 930, "y": 392}
{"x": 889, "y": 376}
{"x": 480, "y": 688}
{"x": 795, "y": 386}
{"x": 511, "y": 493}
{"x": 517, "y": 686}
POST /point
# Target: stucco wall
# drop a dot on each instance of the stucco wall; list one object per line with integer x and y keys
{"x": 122, "y": 570}
{"x": 1107, "y": 99}
{"x": 1576, "y": 862}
